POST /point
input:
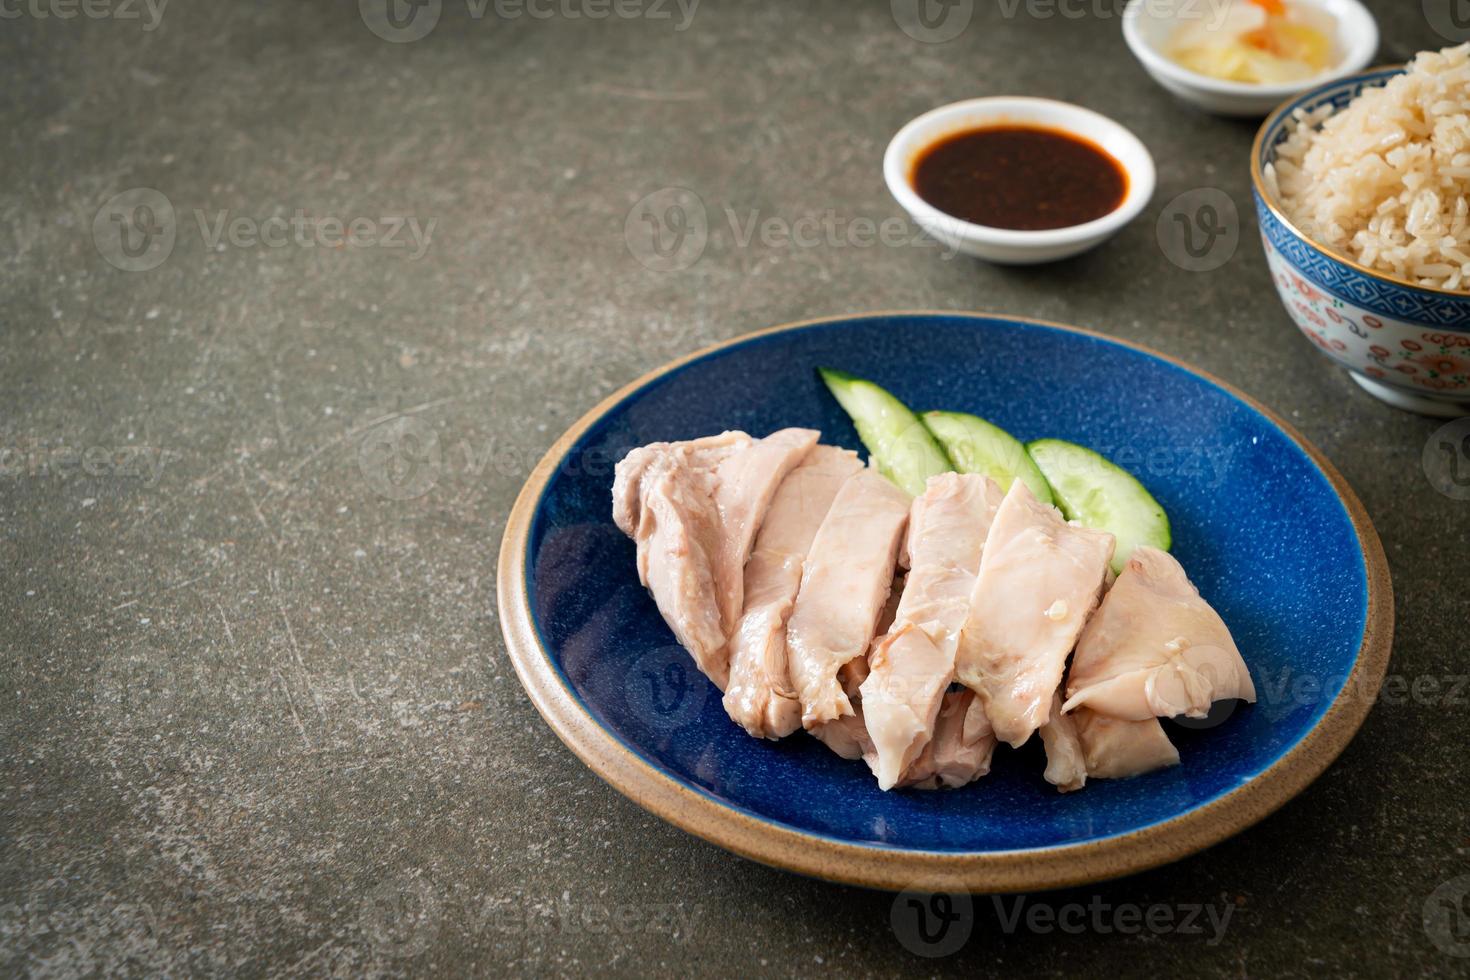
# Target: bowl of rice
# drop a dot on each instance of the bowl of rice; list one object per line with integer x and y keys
{"x": 1362, "y": 187}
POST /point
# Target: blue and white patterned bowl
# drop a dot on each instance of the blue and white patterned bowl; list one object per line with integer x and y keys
{"x": 1406, "y": 344}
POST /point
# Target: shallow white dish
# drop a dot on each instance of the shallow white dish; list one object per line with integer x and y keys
{"x": 1148, "y": 26}
{"x": 1005, "y": 245}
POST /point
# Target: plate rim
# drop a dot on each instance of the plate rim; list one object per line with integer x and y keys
{"x": 900, "y": 869}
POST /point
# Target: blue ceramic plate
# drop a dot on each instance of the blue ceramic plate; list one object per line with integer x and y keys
{"x": 1267, "y": 530}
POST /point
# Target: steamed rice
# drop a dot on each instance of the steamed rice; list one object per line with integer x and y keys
{"x": 1387, "y": 179}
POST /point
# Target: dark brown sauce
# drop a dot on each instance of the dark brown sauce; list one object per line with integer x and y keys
{"x": 1025, "y": 178}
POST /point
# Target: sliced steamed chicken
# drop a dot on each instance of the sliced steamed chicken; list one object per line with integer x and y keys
{"x": 1115, "y": 749}
{"x": 748, "y": 483}
{"x": 663, "y": 498}
{"x": 1039, "y": 580}
{"x": 1155, "y": 648}
{"x": 960, "y": 751}
{"x": 847, "y": 736}
{"x": 693, "y": 509}
{"x": 1066, "y": 763}
{"x": 912, "y": 665}
{"x": 843, "y": 588}
{"x": 759, "y": 697}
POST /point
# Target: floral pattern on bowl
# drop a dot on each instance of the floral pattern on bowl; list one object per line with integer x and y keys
{"x": 1407, "y": 344}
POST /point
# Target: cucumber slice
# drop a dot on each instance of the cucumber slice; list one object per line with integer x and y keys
{"x": 905, "y": 452}
{"x": 1103, "y": 495}
{"x": 976, "y": 446}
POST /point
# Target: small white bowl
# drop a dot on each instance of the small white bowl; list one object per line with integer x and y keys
{"x": 1005, "y": 245}
{"x": 1148, "y": 26}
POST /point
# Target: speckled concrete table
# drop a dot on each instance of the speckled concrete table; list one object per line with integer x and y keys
{"x": 257, "y": 715}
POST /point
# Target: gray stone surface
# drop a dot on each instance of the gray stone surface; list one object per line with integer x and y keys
{"x": 257, "y": 715}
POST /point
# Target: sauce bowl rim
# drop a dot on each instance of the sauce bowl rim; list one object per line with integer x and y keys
{"x": 1140, "y": 173}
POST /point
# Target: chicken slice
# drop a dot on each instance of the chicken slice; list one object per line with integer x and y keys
{"x": 748, "y": 482}
{"x": 847, "y": 736}
{"x": 855, "y": 671}
{"x": 961, "y": 749}
{"x": 1039, "y": 580}
{"x": 664, "y": 499}
{"x": 895, "y": 595}
{"x": 913, "y": 664}
{"x": 692, "y": 508}
{"x": 1155, "y": 648}
{"x": 759, "y": 697}
{"x": 843, "y": 588}
{"x": 1115, "y": 749}
{"x": 1066, "y": 765}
